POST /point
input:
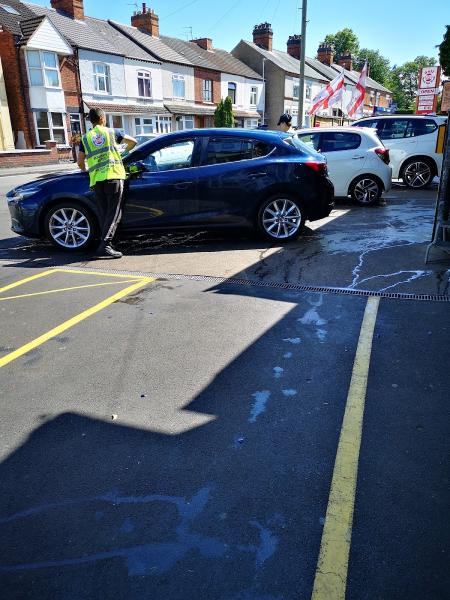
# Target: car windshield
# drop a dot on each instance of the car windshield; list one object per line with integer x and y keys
{"x": 293, "y": 140}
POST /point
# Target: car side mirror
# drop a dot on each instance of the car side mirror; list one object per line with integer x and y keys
{"x": 137, "y": 168}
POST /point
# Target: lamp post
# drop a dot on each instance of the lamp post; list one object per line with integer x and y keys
{"x": 264, "y": 92}
{"x": 301, "y": 91}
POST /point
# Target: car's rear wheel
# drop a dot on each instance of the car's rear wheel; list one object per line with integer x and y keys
{"x": 366, "y": 190}
{"x": 70, "y": 226}
{"x": 281, "y": 218}
{"x": 417, "y": 173}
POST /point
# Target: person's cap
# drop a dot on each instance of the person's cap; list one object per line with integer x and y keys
{"x": 285, "y": 118}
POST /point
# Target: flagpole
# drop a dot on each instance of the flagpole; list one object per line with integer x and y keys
{"x": 301, "y": 89}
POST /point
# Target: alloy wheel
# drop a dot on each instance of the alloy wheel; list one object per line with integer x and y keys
{"x": 69, "y": 228}
{"x": 281, "y": 218}
{"x": 417, "y": 174}
{"x": 366, "y": 191}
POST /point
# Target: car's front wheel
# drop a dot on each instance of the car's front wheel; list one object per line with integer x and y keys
{"x": 417, "y": 173}
{"x": 70, "y": 226}
{"x": 281, "y": 218}
{"x": 366, "y": 190}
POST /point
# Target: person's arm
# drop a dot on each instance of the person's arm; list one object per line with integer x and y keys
{"x": 129, "y": 141}
{"x": 81, "y": 160}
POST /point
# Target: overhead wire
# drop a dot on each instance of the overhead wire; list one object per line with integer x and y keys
{"x": 180, "y": 9}
{"x": 224, "y": 16}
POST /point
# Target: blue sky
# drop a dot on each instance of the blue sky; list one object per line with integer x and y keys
{"x": 399, "y": 29}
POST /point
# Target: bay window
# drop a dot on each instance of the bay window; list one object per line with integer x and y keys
{"x": 143, "y": 125}
{"x": 144, "y": 84}
{"x": 102, "y": 78}
{"x": 178, "y": 86}
{"x": 50, "y": 126}
{"x": 43, "y": 68}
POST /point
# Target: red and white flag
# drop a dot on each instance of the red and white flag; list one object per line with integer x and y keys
{"x": 356, "y": 104}
{"x": 329, "y": 95}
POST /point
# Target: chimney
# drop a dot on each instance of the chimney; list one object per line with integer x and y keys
{"x": 293, "y": 46}
{"x": 70, "y": 8}
{"x": 325, "y": 54}
{"x": 205, "y": 43}
{"x": 146, "y": 20}
{"x": 263, "y": 36}
{"x": 346, "y": 61}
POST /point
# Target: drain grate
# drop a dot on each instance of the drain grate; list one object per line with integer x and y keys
{"x": 295, "y": 287}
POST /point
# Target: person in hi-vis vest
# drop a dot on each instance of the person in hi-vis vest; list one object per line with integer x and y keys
{"x": 100, "y": 156}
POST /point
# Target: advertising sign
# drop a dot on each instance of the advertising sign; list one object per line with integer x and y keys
{"x": 429, "y": 80}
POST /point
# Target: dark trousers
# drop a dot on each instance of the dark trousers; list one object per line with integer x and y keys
{"x": 109, "y": 195}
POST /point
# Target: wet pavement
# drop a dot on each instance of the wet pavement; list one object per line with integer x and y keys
{"x": 176, "y": 438}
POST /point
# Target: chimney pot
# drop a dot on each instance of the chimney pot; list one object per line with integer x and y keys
{"x": 263, "y": 36}
{"x": 294, "y": 44}
{"x": 146, "y": 20}
{"x": 144, "y": 8}
{"x": 325, "y": 54}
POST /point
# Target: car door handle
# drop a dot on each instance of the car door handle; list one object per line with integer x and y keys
{"x": 183, "y": 185}
{"x": 357, "y": 157}
{"x": 255, "y": 175}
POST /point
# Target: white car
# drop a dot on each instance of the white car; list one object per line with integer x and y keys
{"x": 411, "y": 140}
{"x": 358, "y": 163}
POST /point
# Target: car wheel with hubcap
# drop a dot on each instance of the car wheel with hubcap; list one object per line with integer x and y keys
{"x": 281, "y": 218}
{"x": 70, "y": 226}
{"x": 366, "y": 190}
{"x": 417, "y": 173}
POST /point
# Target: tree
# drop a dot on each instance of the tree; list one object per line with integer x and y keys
{"x": 404, "y": 81}
{"x": 343, "y": 41}
{"x": 444, "y": 52}
{"x": 379, "y": 67}
{"x": 223, "y": 115}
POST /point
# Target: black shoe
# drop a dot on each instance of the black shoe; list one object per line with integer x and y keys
{"x": 110, "y": 251}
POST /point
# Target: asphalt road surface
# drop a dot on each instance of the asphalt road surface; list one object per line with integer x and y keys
{"x": 231, "y": 437}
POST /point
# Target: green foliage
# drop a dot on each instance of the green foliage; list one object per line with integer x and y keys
{"x": 444, "y": 52}
{"x": 404, "y": 81}
{"x": 343, "y": 41}
{"x": 379, "y": 67}
{"x": 223, "y": 115}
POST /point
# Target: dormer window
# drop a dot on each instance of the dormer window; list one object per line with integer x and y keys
{"x": 101, "y": 78}
{"x": 43, "y": 68}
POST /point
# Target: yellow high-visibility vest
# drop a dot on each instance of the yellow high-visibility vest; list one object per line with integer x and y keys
{"x": 102, "y": 155}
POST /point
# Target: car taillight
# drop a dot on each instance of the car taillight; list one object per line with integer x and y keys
{"x": 383, "y": 153}
{"x": 317, "y": 166}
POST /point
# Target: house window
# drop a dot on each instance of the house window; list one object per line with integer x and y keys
{"x": 163, "y": 124}
{"x": 232, "y": 92}
{"x": 185, "y": 122}
{"x": 207, "y": 90}
{"x": 114, "y": 121}
{"x": 254, "y": 96}
{"x": 50, "y": 126}
{"x": 143, "y": 125}
{"x": 43, "y": 68}
{"x": 75, "y": 123}
{"x": 178, "y": 86}
{"x": 144, "y": 84}
{"x": 296, "y": 92}
{"x": 102, "y": 78}
{"x": 308, "y": 90}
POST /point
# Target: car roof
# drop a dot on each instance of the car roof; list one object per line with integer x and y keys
{"x": 401, "y": 117}
{"x": 259, "y": 134}
{"x": 345, "y": 128}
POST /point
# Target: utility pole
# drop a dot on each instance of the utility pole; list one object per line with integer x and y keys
{"x": 301, "y": 91}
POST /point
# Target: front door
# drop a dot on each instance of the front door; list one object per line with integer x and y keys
{"x": 164, "y": 191}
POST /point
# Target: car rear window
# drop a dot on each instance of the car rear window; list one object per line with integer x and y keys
{"x": 224, "y": 150}
{"x": 334, "y": 141}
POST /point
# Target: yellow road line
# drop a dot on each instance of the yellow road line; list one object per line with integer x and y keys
{"x": 99, "y": 274}
{"x": 68, "y": 289}
{"x": 331, "y": 573}
{"x": 26, "y": 280}
{"x": 73, "y": 321}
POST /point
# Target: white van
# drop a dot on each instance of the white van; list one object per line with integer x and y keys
{"x": 411, "y": 140}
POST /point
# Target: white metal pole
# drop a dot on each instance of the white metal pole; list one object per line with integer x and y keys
{"x": 301, "y": 91}
{"x": 264, "y": 92}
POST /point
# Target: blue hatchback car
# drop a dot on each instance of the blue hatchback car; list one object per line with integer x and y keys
{"x": 200, "y": 178}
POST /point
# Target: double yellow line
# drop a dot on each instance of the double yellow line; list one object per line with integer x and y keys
{"x": 138, "y": 282}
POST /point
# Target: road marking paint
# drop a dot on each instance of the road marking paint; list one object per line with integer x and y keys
{"x": 332, "y": 567}
{"x": 73, "y": 321}
{"x": 26, "y": 280}
{"x": 68, "y": 289}
{"x": 98, "y": 274}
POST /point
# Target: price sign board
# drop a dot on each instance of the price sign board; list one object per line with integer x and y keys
{"x": 429, "y": 80}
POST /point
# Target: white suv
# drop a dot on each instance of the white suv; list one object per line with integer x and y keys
{"x": 411, "y": 140}
{"x": 358, "y": 163}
